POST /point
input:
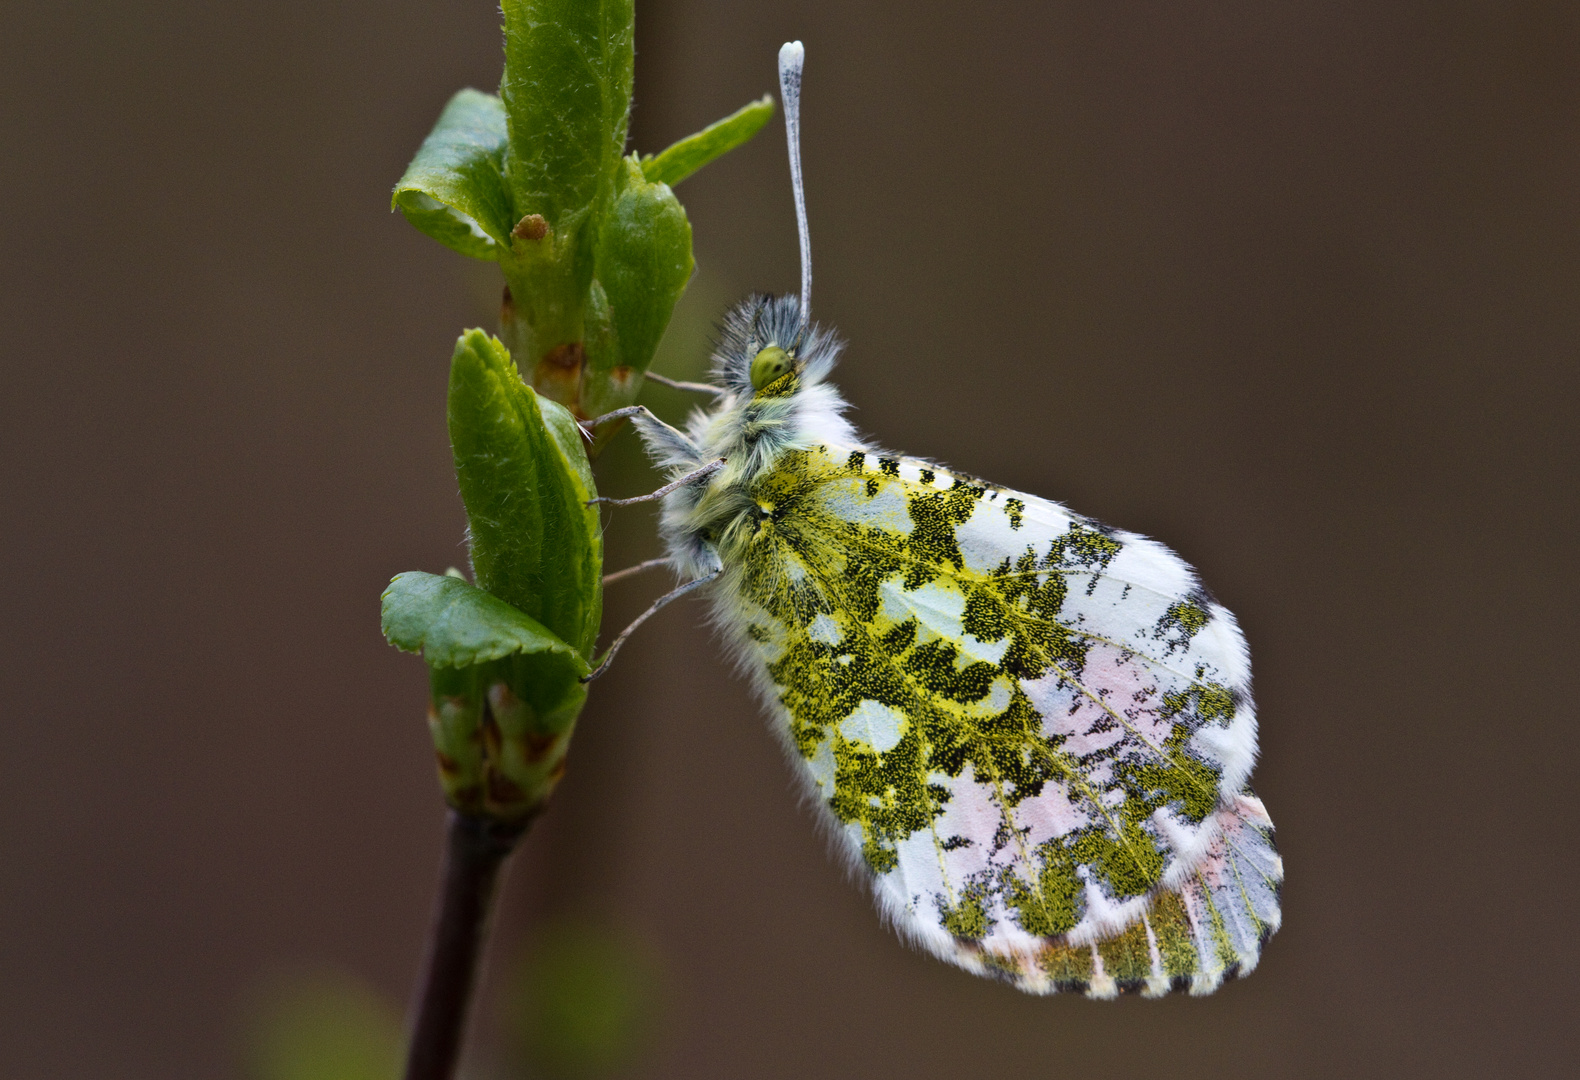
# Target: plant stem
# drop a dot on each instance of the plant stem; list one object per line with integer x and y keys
{"x": 475, "y": 851}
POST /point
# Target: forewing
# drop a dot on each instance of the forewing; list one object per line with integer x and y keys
{"x": 1034, "y": 732}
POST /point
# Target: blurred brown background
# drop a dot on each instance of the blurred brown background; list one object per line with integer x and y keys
{"x": 1291, "y": 286}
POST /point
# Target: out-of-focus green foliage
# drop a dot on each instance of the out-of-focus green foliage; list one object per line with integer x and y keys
{"x": 587, "y": 1000}
{"x": 325, "y": 1025}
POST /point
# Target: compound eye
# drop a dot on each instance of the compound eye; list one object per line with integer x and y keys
{"x": 768, "y": 365}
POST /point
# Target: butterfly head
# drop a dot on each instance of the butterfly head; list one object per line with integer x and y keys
{"x": 771, "y": 359}
{"x": 769, "y": 366}
{"x": 765, "y": 349}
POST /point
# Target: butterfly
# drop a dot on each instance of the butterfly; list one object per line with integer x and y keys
{"x": 1033, "y": 733}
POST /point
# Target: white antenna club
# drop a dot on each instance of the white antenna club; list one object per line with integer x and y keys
{"x": 792, "y": 57}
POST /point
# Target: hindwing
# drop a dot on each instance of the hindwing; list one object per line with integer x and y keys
{"x": 1033, "y": 731}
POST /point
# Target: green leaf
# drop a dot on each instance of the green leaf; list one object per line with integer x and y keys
{"x": 455, "y": 721}
{"x": 453, "y": 623}
{"x": 567, "y": 93}
{"x": 505, "y": 660}
{"x": 644, "y": 261}
{"x": 685, "y": 157}
{"x": 454, "y": 189}
{"x": 504, "y": 691}
{"x": 525, "y": 480}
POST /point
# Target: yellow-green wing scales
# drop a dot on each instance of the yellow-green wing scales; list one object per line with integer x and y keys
{"x": 1035, "y": 732}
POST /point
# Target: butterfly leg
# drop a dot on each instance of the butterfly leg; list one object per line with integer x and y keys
{"x": 619, "y": 414}
{"x": 632, "y": 571}
{"x": 676, "y": 384}
{"x": 658, "y": 605}
{"x": 666, "y": 445}
{"x": 696, "y": 474}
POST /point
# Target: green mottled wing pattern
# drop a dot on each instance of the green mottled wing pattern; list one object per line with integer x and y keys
{"x": 1035, "y": 732}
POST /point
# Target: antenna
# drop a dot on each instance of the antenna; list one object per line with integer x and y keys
{"x": 792, "y": 57}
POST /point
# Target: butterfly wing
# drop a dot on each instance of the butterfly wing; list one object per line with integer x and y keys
{"x": 1033, "y": 731}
